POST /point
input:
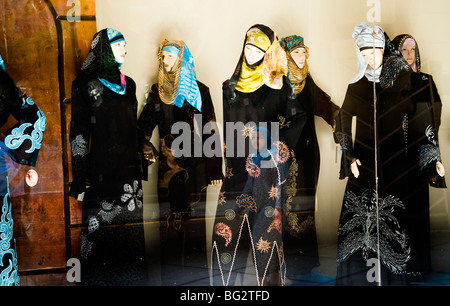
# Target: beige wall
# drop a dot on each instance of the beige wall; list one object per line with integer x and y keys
{"x": 214, "y": 32}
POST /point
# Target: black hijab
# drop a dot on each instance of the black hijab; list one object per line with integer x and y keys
{"x": 100, "y": 61}
{"x": 393, "y": 64}
{"x": 398, "y": 44}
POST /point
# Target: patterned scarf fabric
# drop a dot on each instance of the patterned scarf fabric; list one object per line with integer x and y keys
{"x": 296, "y": 76}
{"x": 2, "y": 63}
{"x": 270, "y": 71}
{"x": 179, "y": 84}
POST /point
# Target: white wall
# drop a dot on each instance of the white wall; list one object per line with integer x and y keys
{"x": 214, "y": 32}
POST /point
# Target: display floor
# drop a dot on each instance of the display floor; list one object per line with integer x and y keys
{"x": 323, "y": 275}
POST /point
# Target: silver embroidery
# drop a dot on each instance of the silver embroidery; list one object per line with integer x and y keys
{"x": 79, "y": 146}
{"x": 429, "y": 132}
{"x": 109, "y": 211}
{"x": 132, "y": 196}
{"x": 360, "y": 232}
{"x": 87, "y": 62}
{"x": 86, "y": 246}
{"x": 345, "y": 141}
{"x": 93, "y": 224}
{"x": 429, "y": 153}
{"x": 95, "y": 89}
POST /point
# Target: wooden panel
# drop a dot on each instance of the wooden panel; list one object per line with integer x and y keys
{"x": 29, "y": 47}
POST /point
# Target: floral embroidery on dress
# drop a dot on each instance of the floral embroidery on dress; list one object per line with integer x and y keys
{"x": 132, "y": 196}
{"x": 283, "y": 153}
{"x": 273, "y": 192}
{"x": 229, "y": 173}
{"x": 252, "y": 169}
{"x": 263, "y": 246}
{"x": 109, "y": 211}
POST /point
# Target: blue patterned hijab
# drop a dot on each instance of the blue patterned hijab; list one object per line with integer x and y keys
{"x": 2, "y": 63}
{"x": 180, "y": 84}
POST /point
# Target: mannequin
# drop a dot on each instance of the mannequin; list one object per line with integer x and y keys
{"x": 251, "y": 98}
{"x": 302, "y": 101}
{"x": 179, "y": 99}
{"x": 425, "y": 165}
{"x": 21, "y": 143}
{"x": 107, "y": 166}
{"x": 385, "y": 173}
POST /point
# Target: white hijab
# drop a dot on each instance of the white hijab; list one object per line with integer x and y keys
{"x": 366, "y": 35}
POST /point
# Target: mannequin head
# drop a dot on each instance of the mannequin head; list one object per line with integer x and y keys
{"x": 119, "y": 51}
{"x": 299, "y": 57}
{"x": 409, "y": 51}
{"x": 374, "y": 57}
{"x": 258, "y": 140}
{"x": 253, "y": 54}
{"x": 169, "y": 56}
{"x": 256, "y": 46}
{"x": 118, "y": 44}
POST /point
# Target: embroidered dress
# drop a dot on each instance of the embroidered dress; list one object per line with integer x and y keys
{"x": 302, "y": 101}
{"x": 176, "y": 105}
{"x": 421, "y": 128}
{"x": 21, "y": 143}
{"x": 260, "y": 207}
{"x": 378, "y": 216}
{"x": 244, "y": 108}
{"x": 107, "y": 170}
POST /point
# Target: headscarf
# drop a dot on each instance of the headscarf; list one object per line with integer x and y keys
{"x": 367, "y": 36}
{"x": 100, "y": 62}
{"x": 296, "y": 76}
{"x": 403, "y": 39}
{"x": 179, "y": 84}
{"x": 258, "y": 154}
{"x": 269, "y": 71}
{"x": 2, "y": 63}
{"x": 393, "y": 64}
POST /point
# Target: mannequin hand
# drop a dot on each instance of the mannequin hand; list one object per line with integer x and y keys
{"x": 31, "y": 178}
{"x": 217, "y": 184}
{"x": 440, "y": 169}
{"x": 354, "y": 167}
